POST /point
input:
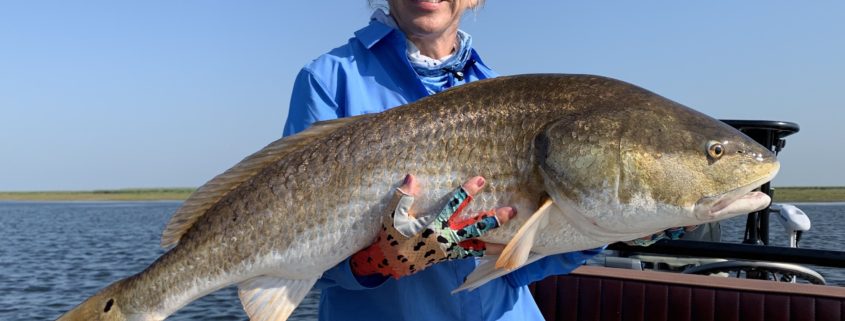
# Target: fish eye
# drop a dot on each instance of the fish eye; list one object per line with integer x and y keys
{"x": 715, "y": 149}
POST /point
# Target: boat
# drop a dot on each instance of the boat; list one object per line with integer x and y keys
{"x": 707, "y": 281}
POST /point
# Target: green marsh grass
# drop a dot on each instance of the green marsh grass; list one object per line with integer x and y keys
{"x": 810, "y": 194}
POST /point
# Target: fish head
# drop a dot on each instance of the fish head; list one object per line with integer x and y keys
{"x": 634, "y": 167}
{"x": 106, "y": 305}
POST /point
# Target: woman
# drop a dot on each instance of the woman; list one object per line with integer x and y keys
{"x": 414, "y": 51}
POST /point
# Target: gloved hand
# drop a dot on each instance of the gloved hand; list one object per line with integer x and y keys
{"x": 672, "y": 234}
{"x": 408, "y": 244}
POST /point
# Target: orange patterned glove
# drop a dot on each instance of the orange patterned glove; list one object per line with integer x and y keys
{"x": 407, "y": 244}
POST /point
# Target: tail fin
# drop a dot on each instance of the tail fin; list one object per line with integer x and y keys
{"x": 106, "y": 305}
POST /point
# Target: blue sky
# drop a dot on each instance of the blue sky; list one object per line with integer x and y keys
{"x": 116, "y": 94}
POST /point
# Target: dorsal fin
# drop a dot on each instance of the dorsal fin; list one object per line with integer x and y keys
{"x": 213, "y": 191}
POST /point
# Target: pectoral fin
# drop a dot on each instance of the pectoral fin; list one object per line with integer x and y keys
{"x": 268, "y": 298}
{"x": 487, "y": 271}
{"x": 516, "y": 252}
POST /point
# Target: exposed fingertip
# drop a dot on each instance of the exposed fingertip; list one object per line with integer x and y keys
{"x": 473, "y": 185}
{"x": 410, "y": 186}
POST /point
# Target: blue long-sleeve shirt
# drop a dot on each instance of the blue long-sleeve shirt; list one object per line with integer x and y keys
{"x": 369, "y": 74}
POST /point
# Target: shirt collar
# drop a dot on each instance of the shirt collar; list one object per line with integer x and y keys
{"x": 377, "y": 30}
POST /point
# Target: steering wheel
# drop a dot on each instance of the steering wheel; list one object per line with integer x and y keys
{"x": 780, "y": 272}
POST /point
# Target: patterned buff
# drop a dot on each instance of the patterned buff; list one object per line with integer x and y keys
{"x": 400, "y": 252}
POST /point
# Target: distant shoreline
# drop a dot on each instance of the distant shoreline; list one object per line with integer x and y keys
{"x": 810, "y": 194}
{"x": 134, "y": 194}
{"x": 782, "y": 194}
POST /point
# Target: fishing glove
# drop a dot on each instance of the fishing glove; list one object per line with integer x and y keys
{"x": 407, "y": 245}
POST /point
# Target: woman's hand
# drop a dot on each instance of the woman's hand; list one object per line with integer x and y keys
{"x": 408, "y": 243}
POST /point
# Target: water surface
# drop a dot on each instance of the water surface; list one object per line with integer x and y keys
{"x": 53, "y": 255}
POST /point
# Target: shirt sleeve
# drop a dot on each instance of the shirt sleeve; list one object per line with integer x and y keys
{"x": 550, "y": 265}
{"x": 310, "y": 102}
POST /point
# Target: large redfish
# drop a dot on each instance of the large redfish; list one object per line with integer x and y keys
{"x": 617, "y": 162}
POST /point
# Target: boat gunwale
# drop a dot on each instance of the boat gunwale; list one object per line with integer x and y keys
{"x": 704, "y": 281}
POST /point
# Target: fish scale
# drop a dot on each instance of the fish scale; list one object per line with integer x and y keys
{"x": 273, "y": 223}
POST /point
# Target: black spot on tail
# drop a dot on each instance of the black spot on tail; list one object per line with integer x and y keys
{"x": 108, "y": 305}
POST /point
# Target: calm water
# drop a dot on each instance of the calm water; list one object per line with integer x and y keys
{"x": 54, "y": 255}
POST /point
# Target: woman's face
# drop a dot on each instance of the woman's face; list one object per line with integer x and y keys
{"x": 428, "y": 18}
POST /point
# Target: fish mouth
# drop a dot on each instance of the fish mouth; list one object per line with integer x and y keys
{"x": 746, "y": 203}
{"x": 742, "y": 200}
